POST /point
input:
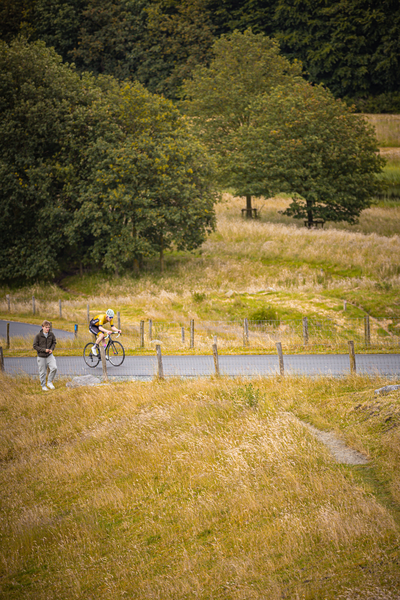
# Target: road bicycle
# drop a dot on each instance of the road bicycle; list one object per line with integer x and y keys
{"x": 114, "y": 351}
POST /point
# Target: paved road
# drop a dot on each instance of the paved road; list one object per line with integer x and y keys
{"x": 18, "y": 329}
{"x": 145, "y": 367}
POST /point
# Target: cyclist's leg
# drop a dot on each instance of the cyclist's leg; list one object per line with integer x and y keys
{"x": 99, "y": 336}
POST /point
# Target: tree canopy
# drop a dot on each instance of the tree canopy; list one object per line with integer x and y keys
{"x": 218, "y": 97}
{"x": 304, "y": 142}
{"x": 352, "y": 46}
{"x": 93, "y": 172}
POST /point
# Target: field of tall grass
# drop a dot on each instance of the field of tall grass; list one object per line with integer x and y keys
{"x": 199, "y": 489}
{"x": 387, "y": 129}
{"x": 267, "y": 269}
{"x": 212, "y": 489}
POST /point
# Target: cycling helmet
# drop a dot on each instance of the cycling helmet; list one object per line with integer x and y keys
{"x": 110, "y": 313}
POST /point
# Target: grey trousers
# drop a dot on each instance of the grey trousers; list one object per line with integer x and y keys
{"x": 43, "y": 363}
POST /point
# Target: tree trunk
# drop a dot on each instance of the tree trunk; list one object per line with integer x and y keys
{"x": 136, "y": 266}
{"x": 161, "y": 254}
{"x": 249, "y": 210}
{"x": 310, "y": 221}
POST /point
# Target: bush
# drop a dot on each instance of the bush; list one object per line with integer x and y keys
{"x": 388, "y": 103}
{"x": 265, "y": 313}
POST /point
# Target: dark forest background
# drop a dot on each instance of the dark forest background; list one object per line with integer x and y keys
{"x": 351, "y": 46}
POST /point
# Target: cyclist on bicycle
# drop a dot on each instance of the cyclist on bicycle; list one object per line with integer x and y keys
{"x": 96, "y": 327}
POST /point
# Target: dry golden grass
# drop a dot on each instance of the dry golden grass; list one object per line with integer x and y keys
{"x": 242, "y": 267}
{"x": 387, "y": 128}
{"x": 200, "y": 489}
{"x": 382, "y": 220}
{"x": 376, "y": 256}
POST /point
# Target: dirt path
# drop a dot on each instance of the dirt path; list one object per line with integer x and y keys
{"x": 342, "y": 453}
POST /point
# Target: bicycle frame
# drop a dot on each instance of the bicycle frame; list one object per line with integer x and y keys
{"x": 114, "y": 351}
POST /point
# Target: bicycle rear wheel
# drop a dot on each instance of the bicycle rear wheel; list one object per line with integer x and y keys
{"x": 90, "y": 359}
{"x": 116, "y": 353}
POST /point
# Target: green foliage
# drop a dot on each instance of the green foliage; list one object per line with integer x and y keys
{"x": 42, "y": 106}
{"x": 352, "y": 47}
{"x": 265, "y": 313}
{"x": 218, "y": 97}
{"x": 349, "y": 45}
{"x": 302, "y": 141}
{"x": 387, "y": 103}
{"x": 199, "y": 296}
{"x": 248, "y": 396}
{"x": 148, "y": 191}
{"x": 154, "y": 42}
{"x": 92, "y": 172}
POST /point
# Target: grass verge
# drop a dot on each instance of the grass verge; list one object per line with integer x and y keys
{"x": 209, "y": 489}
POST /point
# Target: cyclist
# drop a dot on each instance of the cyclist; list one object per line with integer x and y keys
{"x": 96, "y": 327}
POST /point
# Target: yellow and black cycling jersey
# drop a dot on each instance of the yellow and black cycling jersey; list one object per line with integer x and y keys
{"x": 101, "y": 320}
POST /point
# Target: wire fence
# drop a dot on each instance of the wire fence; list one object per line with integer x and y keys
{"x": 306, "y": 346}
{"x": 162, "y": 366}
{"x": 308, "y": 334}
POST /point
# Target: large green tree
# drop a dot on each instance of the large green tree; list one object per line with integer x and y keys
{"x": 44, "y": 120}
{"x": 218, "y": 97}
{"x": 302, "y": 141}
{"x": 92, "y": 172}
{"x": 149, "y": 191}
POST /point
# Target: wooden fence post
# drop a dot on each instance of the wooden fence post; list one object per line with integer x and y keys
{"x": 33, "y": 305}
{"x": 192, "y": 333}
{"x": 141, "y": 334}
{"x": 245, "y": 332}
{"x": 60, "y": 309}
{"x": 8, "y": 302}
{"x": 160, "y": 370}
{"x": 183, "y": 334}
{"x": 1, "y": 359}
{"x": 344, "y": 304}
{"x": 103, "y": 361}
{"x": 216, "y": 359}
{"x": 280, "y": 354}
{"x": 305, "y": 330}
{"x": 150, "y": 329}
{"x": 352, "y": 357}
{"x": 8, "y": 335}
{"x": 119, "y": 320}
{"x": 367, "y": 331}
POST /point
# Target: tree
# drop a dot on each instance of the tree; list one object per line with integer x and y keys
{"x": 156, "y": 42}
{"x": 43, "y": 124}
{"x": 92, "y": 172}
{"x": 218, "y": 97}
{"x": 350, "y": 46}
{"x": 150, "y": 190}
{"x": 304, "y": 142}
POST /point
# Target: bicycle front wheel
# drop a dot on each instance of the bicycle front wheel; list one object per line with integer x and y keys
{"x": 116, "y": 354}
{"x": 90, "y": 359}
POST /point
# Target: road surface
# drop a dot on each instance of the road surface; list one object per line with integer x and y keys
{"x": 145, "y": 367}
{"x": 18, "y": 329}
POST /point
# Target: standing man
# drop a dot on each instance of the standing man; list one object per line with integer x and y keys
{"x": 44, "y": 344}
